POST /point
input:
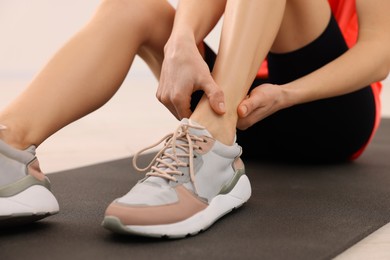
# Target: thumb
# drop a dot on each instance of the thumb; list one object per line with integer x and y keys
{"x": 245, "y": 108}
{"x": 215, "y": 95}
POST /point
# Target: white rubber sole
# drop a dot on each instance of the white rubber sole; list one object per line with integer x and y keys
{"x": 218, "y": 207}
{"x": 34, "y": 203}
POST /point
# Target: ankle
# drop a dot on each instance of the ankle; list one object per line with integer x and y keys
{"x": 12, "y": 137}
{"x": 224, "y": 133}
{"x": 221, "y": 128}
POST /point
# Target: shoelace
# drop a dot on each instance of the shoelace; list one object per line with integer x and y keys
{"x": 165, "y": 164}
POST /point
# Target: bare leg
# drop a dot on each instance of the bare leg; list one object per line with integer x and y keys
{"x": 89, "y": 69}
{"x": 280, "y": 28}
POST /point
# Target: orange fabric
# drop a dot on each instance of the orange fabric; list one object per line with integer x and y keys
{"x": 345, "y": 13}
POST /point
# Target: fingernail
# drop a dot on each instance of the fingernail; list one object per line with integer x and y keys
{"x": 222, "y": 106}
{"x": 244, "y": 110}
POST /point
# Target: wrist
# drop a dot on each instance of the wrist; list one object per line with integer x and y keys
{"x": 290, "y": 96}
{"x": 180, "y": 37}
{"x": 177, "y": 47}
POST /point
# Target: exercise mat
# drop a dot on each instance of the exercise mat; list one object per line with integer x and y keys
{"x": 295, "y": 212}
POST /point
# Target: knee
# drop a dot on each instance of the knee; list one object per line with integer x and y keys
{"x": 130, "y": 12}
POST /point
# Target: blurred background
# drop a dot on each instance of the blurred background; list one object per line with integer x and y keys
{"x": 31, "y": 32}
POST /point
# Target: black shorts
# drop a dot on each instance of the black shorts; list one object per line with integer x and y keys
{"x": 328, "y": 130}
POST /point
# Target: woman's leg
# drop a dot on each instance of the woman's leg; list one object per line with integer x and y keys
{"x": 89, "y": 69}
{"x": 322, "y": 131}
{"x": 198, "y": 176}
{"x": 231, "y": 69}
{"x": 80, "y": 78}
{"x": 326, "y": 130}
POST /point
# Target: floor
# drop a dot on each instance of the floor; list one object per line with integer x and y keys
{"x": 33, "y": 30}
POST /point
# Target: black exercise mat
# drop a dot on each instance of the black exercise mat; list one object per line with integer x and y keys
{"x": 296, "y": 212}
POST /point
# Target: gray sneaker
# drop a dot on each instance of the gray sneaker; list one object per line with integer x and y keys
{"x": 25, "y": 194}
{"x": 193, "y": 181}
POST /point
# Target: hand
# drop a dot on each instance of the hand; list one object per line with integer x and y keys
{"x": 261, "y": 102}
{"x": 183, "y": 72}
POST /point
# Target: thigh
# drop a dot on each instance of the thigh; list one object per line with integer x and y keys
{"x": 159, "y": 27}
{"x": 332, "y": 129}
{"x": 322, "y": 131}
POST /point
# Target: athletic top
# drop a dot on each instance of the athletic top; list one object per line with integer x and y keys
{"x": 345, "y": 14}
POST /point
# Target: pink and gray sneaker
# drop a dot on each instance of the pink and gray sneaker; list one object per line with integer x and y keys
{"x": 24, "y": 190}
{"x": 192, "y": 182}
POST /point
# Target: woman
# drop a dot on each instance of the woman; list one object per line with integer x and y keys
{"x": 198, "y": 176}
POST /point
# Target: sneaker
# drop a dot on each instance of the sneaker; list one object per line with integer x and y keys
{"x": 193, "y": 181}
{"x": 24, "y": 190}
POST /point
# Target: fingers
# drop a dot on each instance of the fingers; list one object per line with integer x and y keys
{"x": 177, "y": 103}
{"x": 250, "y": 110}
{"x": 182, "y": 106}
{"x": 263, "y": 101}
{"x": 249, "y": 104}
{"x": 215, "y": 95}
{"x": 245, "y": 123}
{"x": 242, "y": 109}
{"x": 178, "y": 98}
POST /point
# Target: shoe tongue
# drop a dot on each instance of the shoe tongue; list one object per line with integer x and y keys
{"x": 193, "y": 131}
{"x": 196, "y": 131}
